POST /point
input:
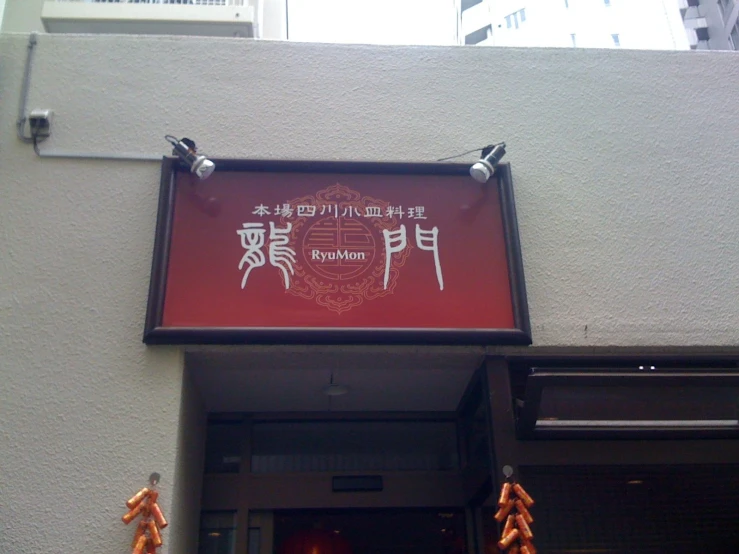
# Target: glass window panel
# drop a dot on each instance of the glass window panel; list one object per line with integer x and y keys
{"x": 638, "y": 404}
{"x": 217, "y": 533}
{"x": 635, "y": 510}
{"x": 478, "y": 446}
{"x": 467, "y": 4}
{"x": 383, "y": 531}
{"x": 479, "y": 35}
{"x": 353, "y": 446}
{"x": 255, "y": 540}
{"x": 223, "y": 448}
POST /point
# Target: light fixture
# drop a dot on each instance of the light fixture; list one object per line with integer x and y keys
{"x": 484, "y": 168}
{"x": 186, "y": 150}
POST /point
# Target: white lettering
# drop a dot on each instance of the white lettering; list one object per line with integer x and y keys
{"x": 337, "y": 255}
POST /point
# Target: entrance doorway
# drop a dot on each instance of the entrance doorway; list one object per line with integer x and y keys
{"x": 399, "y": 464}
{"x": 348, "y": 483}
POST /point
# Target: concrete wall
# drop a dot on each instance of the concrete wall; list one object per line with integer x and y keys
{"x": 625, "y": 184}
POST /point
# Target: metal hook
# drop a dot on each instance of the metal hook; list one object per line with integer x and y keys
{"x": 508, "y": 472}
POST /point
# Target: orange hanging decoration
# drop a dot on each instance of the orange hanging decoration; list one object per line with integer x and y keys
{"x": 148, "y": 536}
{"x": 514, "y": 503}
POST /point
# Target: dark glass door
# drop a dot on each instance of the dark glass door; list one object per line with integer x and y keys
{"x": 383, "y": 531}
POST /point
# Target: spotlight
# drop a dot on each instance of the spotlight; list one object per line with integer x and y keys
{"x": 483, "y": 169}
{"x": 185, "y": 149}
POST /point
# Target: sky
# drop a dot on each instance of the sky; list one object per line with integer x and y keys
{"x": 422, "y": 22}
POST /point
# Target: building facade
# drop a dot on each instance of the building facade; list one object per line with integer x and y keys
{"x": 627, "y": 225}
{"x": 264, "y": 19}
{"x": 644, "y": 25}
{"x": 711, "y": 25}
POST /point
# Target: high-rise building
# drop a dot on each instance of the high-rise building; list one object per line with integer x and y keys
{"x": 711, "y": 24}
{"x": 637, "y": 24}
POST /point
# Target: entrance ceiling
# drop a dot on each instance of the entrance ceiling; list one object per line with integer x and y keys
{"x": 280, "y": 379}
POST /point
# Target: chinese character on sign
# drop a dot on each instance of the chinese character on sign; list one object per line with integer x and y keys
{"x": 330, "y": 209}
{"x": 396, "y": 241}
{"x": 285, "y": 210}
{"x": 372, "y": 211}
{"x": 416, "y": 213}
{"x": 350, "y": 211}
{"x": 394, "y": 210}
{"x": 261, "y": 210}
{"x": 429, "y": 241}
{"x": 306, "y": 211}
{"x": 252, "y": 239}
{"x": 281, "y": 255}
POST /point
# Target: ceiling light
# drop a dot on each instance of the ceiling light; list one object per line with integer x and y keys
{"x": 484, "y": 168}
{"x": 186, "y": 150}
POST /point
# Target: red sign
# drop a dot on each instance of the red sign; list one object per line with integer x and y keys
{"x": 283, "y": 252}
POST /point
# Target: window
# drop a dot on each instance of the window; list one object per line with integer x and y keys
{"x": 479, "y": 35}
{"x": 223, "y": 448}
{"x": 467, "y": 4}
{"x": 629, "y": 402}
{"x": 514, "y": 19}
{"x": 217, "y": 533}
{"x": 572, "y": 38}
{"x": 635, "y": 508}
{"x": 616, "y": 39}
{"x": 308, "y": 446}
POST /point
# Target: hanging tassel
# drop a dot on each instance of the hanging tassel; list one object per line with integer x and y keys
{"x": 148, "y": 536}
{"x": 140, "y": 529}
{"x": 514, "y": 503}
{"x": 136, "y": 499}
{"x": 156, "y": 538}
{"x": 140, "y": 545}
{"x": 156, "y": 511}
{"x": 129, "y": 517}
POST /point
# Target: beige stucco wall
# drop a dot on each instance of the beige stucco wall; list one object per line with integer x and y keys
{"x": 625, "y": 175}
